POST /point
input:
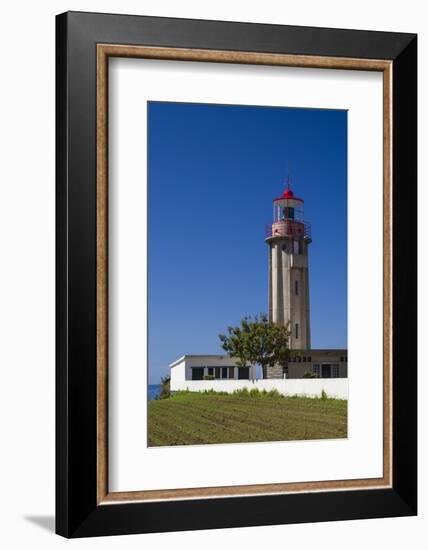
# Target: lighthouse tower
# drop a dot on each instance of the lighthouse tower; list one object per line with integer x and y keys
{"x": 288, "y": 238}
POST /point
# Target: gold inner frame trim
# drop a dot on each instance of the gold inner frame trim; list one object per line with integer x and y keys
{"x": 104, "y": 51}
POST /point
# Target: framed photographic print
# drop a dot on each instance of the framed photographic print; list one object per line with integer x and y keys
{"x": 236, "y": 274}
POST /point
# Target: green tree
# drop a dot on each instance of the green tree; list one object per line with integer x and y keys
{"x": 257, "y": 341}
{"x": 165, "y": 387}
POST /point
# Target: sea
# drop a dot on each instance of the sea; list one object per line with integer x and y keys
{"x": 153, "y": 391}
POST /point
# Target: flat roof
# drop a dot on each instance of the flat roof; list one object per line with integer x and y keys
{"x": 224, "y": 356}
{"x": 323, "y": 350}
{"x": 206, "y": 356}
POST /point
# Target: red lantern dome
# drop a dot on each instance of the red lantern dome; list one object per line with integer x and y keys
{"x": 288, "y": 195}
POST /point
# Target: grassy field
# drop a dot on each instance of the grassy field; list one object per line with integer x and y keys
{"x": 196, "y": 418}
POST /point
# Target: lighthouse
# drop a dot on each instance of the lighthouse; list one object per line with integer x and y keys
{"x": 288, "y": 237}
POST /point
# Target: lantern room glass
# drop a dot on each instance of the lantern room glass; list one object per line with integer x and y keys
{"x": 284, "y": 210}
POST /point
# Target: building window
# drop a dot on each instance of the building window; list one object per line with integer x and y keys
{"x": 285, "y": 370}
{"x": 335, "y": 371}
{"x": 316, "y": 370}
{"x": 296, "y": 331}
{"x": 243, "y": 373}
{"x": 231, "y": 372}
{"x": 304, "y": 359}
{"x": 217, "y": 372}
{"x": 197, "y": 373}
{"x": 210, "y": 371}
{"x": 309, "y": 359}
{"x": 296, "y": 288}
{"x": 224, "y": 372}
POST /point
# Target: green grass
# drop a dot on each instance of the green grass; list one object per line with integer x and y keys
{"x": 196, "y": 418}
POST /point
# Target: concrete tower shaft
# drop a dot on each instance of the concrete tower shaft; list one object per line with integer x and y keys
{"x": 288, "y": 238}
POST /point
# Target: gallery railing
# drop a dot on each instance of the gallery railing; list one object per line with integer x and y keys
{"x": 288, "y": 228}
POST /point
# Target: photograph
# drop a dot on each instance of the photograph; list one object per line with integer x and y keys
{"x": 247, "y": 274}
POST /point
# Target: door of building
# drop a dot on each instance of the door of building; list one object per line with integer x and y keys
{"x": 326, "y": 371}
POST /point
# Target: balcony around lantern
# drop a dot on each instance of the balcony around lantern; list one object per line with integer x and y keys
{"x": 288, "y": 228}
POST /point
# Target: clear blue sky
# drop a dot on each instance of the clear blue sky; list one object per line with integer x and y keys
{"x": 213, "y": 173}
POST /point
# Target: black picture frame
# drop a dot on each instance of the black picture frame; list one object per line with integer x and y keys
{"x": 77, "y": 511}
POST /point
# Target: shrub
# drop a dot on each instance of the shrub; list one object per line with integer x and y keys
{"x": 255, "y": 392}
{"x": 324, "y": 396}
{"x": 211, "y": 391}
{"x": 242, "y": 393}
{"x": 209, "y": 377}
{"x": 274, "y": 393}
{"x": 165, "y": 390}
{"x": 310, "y": 375}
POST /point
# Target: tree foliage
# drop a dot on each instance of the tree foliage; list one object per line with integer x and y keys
{"x": 165, "y": 390}
{"x": 257, "y": 341}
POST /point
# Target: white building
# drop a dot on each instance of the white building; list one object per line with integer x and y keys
{"x": 220, "y": 373}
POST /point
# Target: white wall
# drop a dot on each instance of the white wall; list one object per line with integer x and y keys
{"x": 311, "y": 387}
{"x": 178, "y": 373}
{"x": 27, "y": 272}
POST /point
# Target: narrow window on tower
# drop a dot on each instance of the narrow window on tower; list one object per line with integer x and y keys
{"x": 296, "y": 288}
{"x": 296, "y": 330}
